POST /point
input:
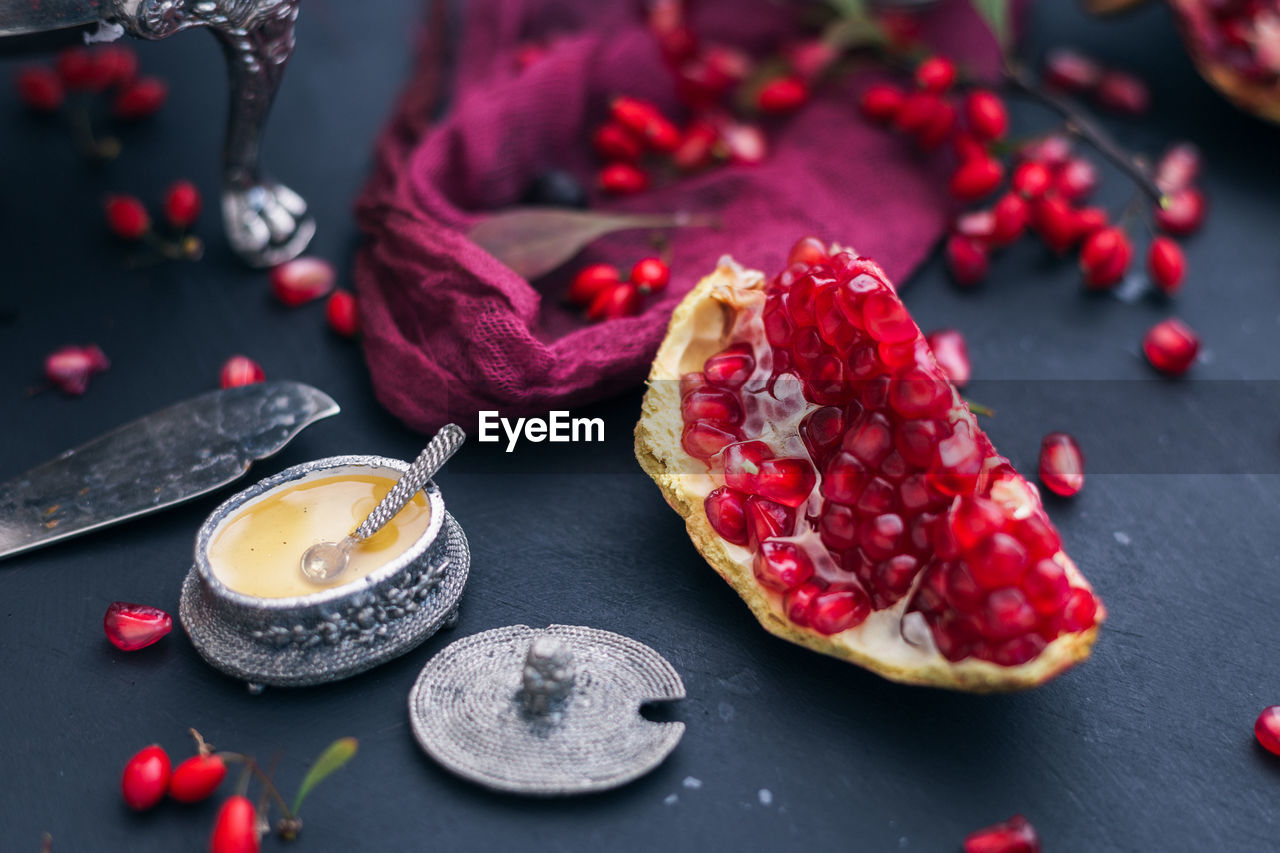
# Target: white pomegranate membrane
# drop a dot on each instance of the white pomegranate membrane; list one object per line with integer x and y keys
{"x": 858, "y": 481}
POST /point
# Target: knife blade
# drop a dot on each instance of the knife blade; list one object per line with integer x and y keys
{"x": 160, "y": 460}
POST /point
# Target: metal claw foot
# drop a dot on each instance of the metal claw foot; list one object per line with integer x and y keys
{"x": 267, "y": 224}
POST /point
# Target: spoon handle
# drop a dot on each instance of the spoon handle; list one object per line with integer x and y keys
{"x": 445, "y": 443}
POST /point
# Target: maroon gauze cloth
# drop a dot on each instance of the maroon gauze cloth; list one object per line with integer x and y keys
{"x": 449, "y": 329}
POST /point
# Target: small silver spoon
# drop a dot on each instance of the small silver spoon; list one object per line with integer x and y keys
{"x": 324, "y": 561}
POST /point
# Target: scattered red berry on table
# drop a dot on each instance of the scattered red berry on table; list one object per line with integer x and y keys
{"x": 240, "y": 370}
{"x": 650, "y": 275}
{"x": 197, "y": 778}
{"x": 40, "y": 89}
{"x": 1015, "y": 835}
{"x": 622, "y": 179}
{"x": 782, "y": 95}
{"x": 1267, "y": 729}
{"x": 1056, "y": 223}
{"x": 590, "y": 281}
{"x": 343, "y": 313}
{"x": 1009, "y": 219}
{"x": 70, "y": 368}
{"x": 302, "y": 280}
{"x": 127, "y": 217}
{"x": 966, "y": 259}
{"x": 952, "y": 354}
{"x": 146, "y": 778}
{"x": 130, "y": 627}
{"x": 140, "y": 98}
{"x": 1171, "y": 346}
{"x": 1105, "y": 258}
{"x": 1166, "y": 265}
{"x": 1061, "y": 464}
{"x": 182, "y": 204}
{"x": 236, "y": 828}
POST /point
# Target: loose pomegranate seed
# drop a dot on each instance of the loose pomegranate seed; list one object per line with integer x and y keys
{"x": 612, "y": 141}
{"x": 1009, "y": 219}
{"x": 1071, "y": 71}
{"x": 40, "y": 89}
{"x": 1076, "y": 179}
{"x": 936, "y": 74}
{"x": 302, "y": 280}
{"x": 782, "y": 95}
{"x": 1105, "y": 258}
{"x": 1267, "y": 729}
{"x": 1166, "y": 264}
{"x": 240, "y": 370}
{"x": 590, "y": 282}
{"x": 1123, "y": 93}
{"x": 881, "y": 102}
{"x": 235, "y": 830}
{"x": 1184, "y": 214}
{"x": 117, "y": 64}
{"x": 976, "y": 178}
{"x": 182, "y": 204}
{"x": 145, "y": 779}
{"x": 1015, "y": 835}
{"x": 1061, "y": 464}
{"x": 78, "y": 70}
{"x": 127, "y": 217}
{"x": 70, "y": 368}
{"x": 1031, "y": 179}
{"x": 1178, "y": 167}
{"x": 622, "y": 179}
{"x": 650, "y": 275}
{"x": 952, "y": 352}
{"x": 966, "y": 259}
{"x": 986, "y": 114}
{"x": 141, "y": 98}
{"x": 620, "y": 300}
{"x": 342, "y": 313}
{"x": 1171, "y": 346}
{"x": 130, "y": 627}
{"x": 197, "y": 778}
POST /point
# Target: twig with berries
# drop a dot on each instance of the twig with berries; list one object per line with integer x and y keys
{"x": 128, "y": 218}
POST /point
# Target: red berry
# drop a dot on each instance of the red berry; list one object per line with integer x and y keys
{"x": 127, "y": 217}
{"x": 240, "y": 370}
{"x": 1076, "y": 179}
{"x": 1088, "y": 220}
{"x": 976, "y": 178}
{"x": 881, "y": 102}
{"x": 1166, "y": 264}
{"x": 1015, "y": 835}
{"x": 782, "y": 95}
{"x": 612, "y": 141}
{"x": 40, "y": 89}
{"x": 1105, "y": 258}
{"x": 1031, "y": 179}
{"x": 1061, "y": 464}
{"x": 146, "y": 776}
{"x": 140, "y": 98}
{"x": 986, "y": 114}
{"x": 70, "y": 368}
{"x": 697, "y": 148}
{"x": 1184, "y": 214}
{"x": 952, "y": 354}
{"x": 745, "y": 143}
{"x": 1267, "y": 729}
{"x": 1056, "y": 223}
{"x": 1123, "y": 93}
{"x": 117, "y": 64}
{"x": 646, "y": 121}
{"x": 1071, "y": 71}
{"x": 938, "y": 128}
{"x": 650, "y": 275}
{"x": 1010, "y": 219}
{"x": 968, "y": 147}
{"x": 936, "y": 74}
{"x": 590, "y": 282}
{"x": 810, "y": 58}
{"x": 1052, "y": 150}
{"x": 918, "y": 111}
{"x": 182, "y": 204}
{"x": 1178, "y": 167}
{"x": 78, "y": 70}
{"x": 622, "y": 179}
{"x": 130, "y": 627}
{"x": 197, "y": 778}
{"x": 343, "y": 313}
{"x": 966, "y": 259}
{"x": 621, "y": 300}
{"x": 978, "y": 224}
{"x": 1171, "y": 346}
{"x": 236, "y": 828}
{"x": 302, "y": 280}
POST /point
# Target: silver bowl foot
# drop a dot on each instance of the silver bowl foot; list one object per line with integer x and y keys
{"x": 267, "y": 224}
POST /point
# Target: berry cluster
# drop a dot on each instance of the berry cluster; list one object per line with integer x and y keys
{"x": 128, "y": 218}
{"x": 601, "y": 290}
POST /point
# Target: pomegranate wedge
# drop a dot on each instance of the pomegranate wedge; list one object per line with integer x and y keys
{"x": 829, "y": 471}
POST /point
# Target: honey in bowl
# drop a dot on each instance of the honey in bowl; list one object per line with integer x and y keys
{"x": 257, "y": 550}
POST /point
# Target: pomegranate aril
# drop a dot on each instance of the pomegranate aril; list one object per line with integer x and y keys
{"x": 1166, "y": 264}
{"x": 838, "y": 610}
{"x": 127, "y": 217}
{"x": 870, "y": 439}
{"x": 782, "y": 566}
{"x": 915, "y": 440}
{"x": 838, "y": 527}
{"x": 966, "y": 260}
{"x": 727, "y": 512}
{"x": 731, "y": 367}
{"x": 782, "y": 95}
{"x": 986, "y": 114}
{"x": 711, "y": 404}
{"x": 1123, "y": 93}
{"x": 935, "y": 74}
{"x": 973, "y": 520}
{"x": 881, "y": 537}
{"x": 998, "y": 560}
{"x": 976, "y": 178}
{"x": 197, "y": 778}
{"x": 141, "y": 98}
{"x": 622, "y": 179}
{"x": 952, "y": 354}
{"x": 881, "y": 102}
{"x": 650, "y": 275}
{"x": 302, "y": 280}
{"x": 821, "y": 431}
{"x": 240, "y": 370}
{"x": 182, "y": 204}
{"x": 1015, "y": 835}
{"x": 145, "y": 778}
{"x": 886, "y": 319}
{"x": 1079, "y": 612}
{"x": 916, "y": 394}
{"x": 235, "y": 830}
{"x": 130, "y": 627}
{"x": 742, "y": 463}
{"x": 1038, "y": 535}
{"x": 844, "y": 478}
{"x": 40, "y": 89}
{"x": 1171, "y": 346}
{"x": 956, "y": 463}
{"x": 1061, "y": 464}
{"x": 1267, "y": 729}
{"x": 70, "y": 368}
{"x": 614, "y": 142}
{"x": 1105, "y": 258}
{"x": 1046, "y": 587}
{"x": 807, "y": 251}
{"x": 1071, "y": 71}
{"x": 590, "y": 282}
{"x": 342, "y": 313}
{"x": 767, "y": 520}
{"x": 1184, "y": 213}
{"x": 703, "y": 440}
{"x": 785, "y": 481}
{"x": 612, "y": 303}
{"x": 797, "y": 603}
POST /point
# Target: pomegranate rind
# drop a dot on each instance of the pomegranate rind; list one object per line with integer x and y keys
{"x": 701, "y": 326}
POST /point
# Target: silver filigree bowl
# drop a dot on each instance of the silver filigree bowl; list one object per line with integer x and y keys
{"x": 336, "y": 632}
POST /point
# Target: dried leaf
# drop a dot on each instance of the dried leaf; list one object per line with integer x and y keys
{"x": 534, "y": 241}
{"x": 335, "y": 755}
{"x": 996, "y": 15}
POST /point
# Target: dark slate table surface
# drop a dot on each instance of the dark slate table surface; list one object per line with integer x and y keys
{"x": 1148, "y": 746}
